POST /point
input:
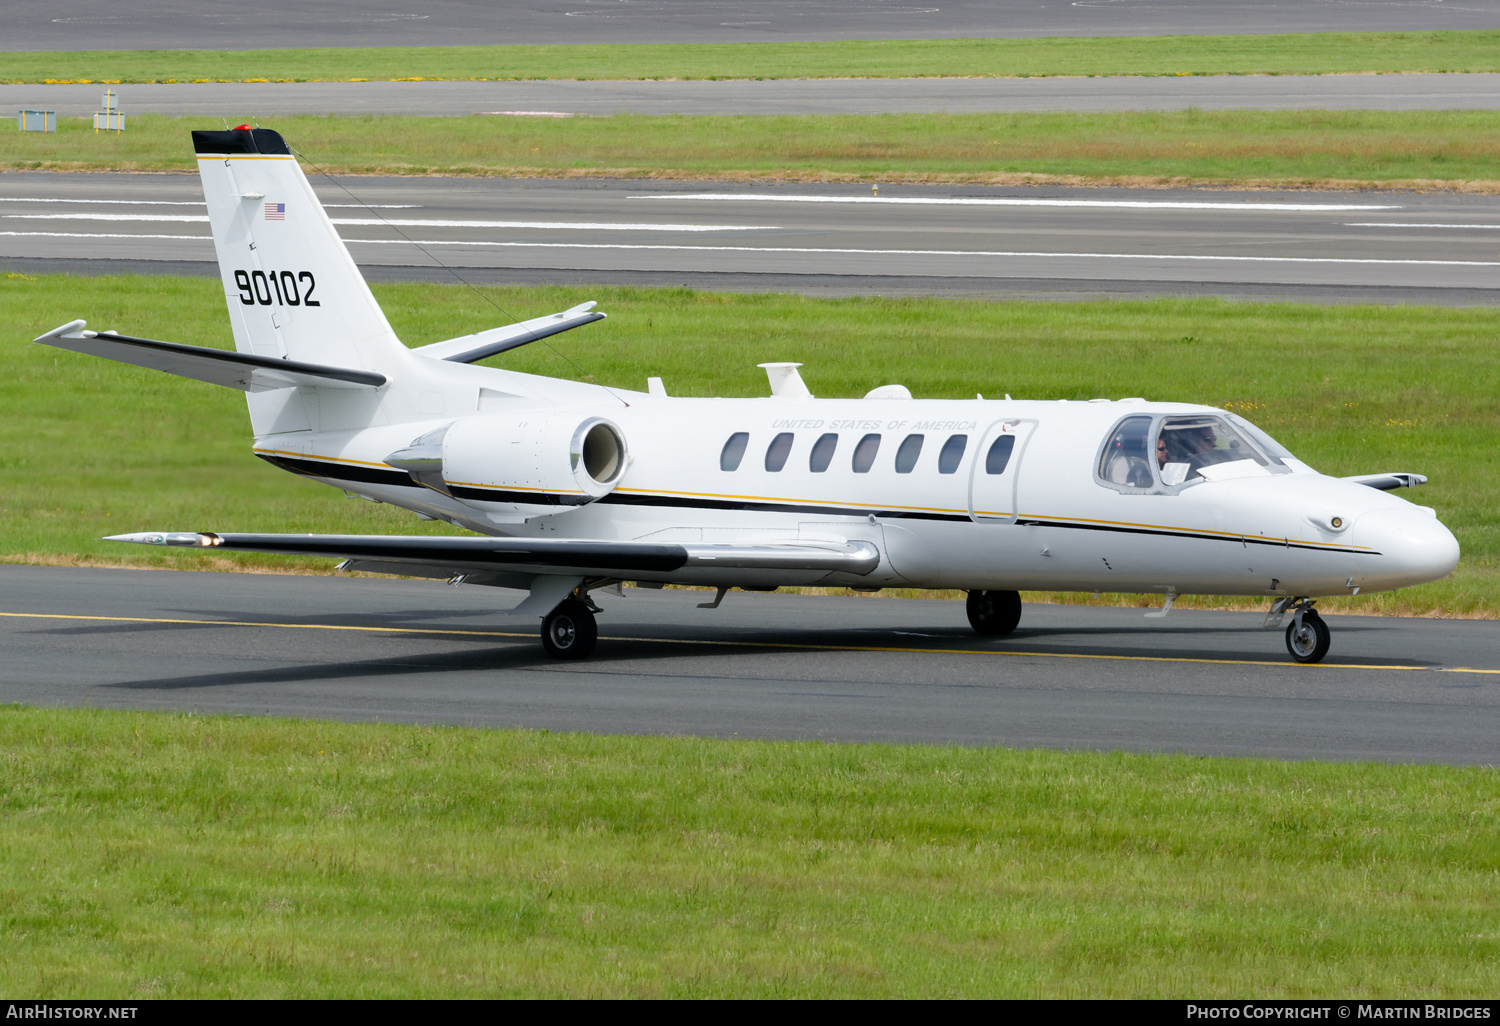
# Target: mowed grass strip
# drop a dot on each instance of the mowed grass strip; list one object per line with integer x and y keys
{"x": 1290, "y": 54}
{"x": 1272, "y": 149}
{"x": 91, "y": 448}
{"x": 154, "y": 855}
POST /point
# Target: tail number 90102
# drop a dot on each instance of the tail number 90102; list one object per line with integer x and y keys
{"x": 276, "y": 288}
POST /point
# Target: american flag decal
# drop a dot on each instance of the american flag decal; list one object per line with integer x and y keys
{"x": 275, "y": 211}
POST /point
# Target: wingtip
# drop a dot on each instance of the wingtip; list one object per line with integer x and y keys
{"x": 182, "y": 539}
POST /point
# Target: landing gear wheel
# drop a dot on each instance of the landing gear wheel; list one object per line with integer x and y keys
{"x": 570, "y": 631}
{"x": 994, "y": 612}
{"x": 1308, "y": 643}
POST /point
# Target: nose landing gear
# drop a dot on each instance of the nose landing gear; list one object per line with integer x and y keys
{"x": 1307, "y": 636}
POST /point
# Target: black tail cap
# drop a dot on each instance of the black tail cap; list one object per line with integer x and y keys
{"x": 240, "y": 140}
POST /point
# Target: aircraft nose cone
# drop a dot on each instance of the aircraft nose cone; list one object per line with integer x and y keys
{"x": 1414, "y": 546}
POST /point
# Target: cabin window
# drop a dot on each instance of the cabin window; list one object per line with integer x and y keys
{"x": 996, "y": 460}
{"x": 864, "y": 453}
{"x": 822, "y": 453}
{"x": 906, "y": 456}
{"x": 1126, "y": 461}
{"x": 1185, "y": 445}
{"x": 952, "y": 453}
{"x": 777, "y": 452}
{"x": 734, "y": 451}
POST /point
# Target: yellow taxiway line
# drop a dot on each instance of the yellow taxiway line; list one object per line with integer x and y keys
{"x": 758, "y": 644}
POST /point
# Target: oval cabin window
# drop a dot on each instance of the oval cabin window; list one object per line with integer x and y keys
{"x": 822, "y": 453}
{"x": 777, "y": 452}
{"x": 864, "y": 453}
{"x": 734, "y": 451}
{"x": 906, "y": 456}
{"x": 952, "y": 454}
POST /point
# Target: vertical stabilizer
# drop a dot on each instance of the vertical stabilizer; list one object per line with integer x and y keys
{"x": 292, "y": 288}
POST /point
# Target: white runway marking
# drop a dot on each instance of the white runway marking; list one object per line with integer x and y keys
{"x": 601, "y": 226}
{"x": 203, "y": 218}
{"x": 82, "y": 235}
{"x": 933, "y": 252}
{"x": 192, "y": 203}
{"x": 1314, "y": 208}
{"x": 1386, "y": 224}
{"x": 123, "y": 202}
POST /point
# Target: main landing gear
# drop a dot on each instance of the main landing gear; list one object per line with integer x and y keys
{"x": 1307, "y": 636}
{"x": 994, "y": 612}
{"x": 570, "y": 630}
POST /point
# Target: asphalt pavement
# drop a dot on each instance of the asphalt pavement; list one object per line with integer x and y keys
{"x": 236, "y": 101}
{"x": 763, "y": 666}
{"x": 227, "y": 24}
{"x": 1439, "y": 248}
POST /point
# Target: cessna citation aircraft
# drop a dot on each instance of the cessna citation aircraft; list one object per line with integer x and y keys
{"x": 574, "y": 487}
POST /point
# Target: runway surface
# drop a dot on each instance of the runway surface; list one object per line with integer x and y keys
{"x": 1381, "y": 247}
{"x": 223, "y": 24}
{"x": 239, "y": 100}
{"x": 764, "y": 666}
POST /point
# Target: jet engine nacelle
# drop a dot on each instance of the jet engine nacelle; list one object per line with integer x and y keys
{"x": 532, "y": 463}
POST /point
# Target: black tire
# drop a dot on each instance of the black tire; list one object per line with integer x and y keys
{"x": 994, "y": 613}
{"x": 1310, "y": 644}
{"x": 570, "y": 631}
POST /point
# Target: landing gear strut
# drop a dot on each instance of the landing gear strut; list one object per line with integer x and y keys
{"x": 994, "y": 612}
{"x": 570, "y": 631}
{"x": 1307, "y": 636}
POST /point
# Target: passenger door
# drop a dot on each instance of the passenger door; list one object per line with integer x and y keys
{"x": 995, "y": 473}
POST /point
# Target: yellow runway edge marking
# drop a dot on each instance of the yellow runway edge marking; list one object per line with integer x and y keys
{"x": 753, "y": 644}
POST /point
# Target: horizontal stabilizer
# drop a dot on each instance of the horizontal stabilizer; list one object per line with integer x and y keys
{"x": 627, "y": 559}
{"x": 244, "y": 371}
{"x": 470, "y": 348}
{"x": 1388, "y": 482}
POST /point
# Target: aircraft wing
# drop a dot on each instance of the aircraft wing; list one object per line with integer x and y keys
{"x": 1389, "y": 482}
{"x": 518, "y": 559}
{"x": 244, "y": 371}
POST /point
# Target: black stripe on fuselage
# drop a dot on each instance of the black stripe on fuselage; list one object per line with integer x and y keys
{"x": 1278, "y": 543}
{"x": 352, "y": 473}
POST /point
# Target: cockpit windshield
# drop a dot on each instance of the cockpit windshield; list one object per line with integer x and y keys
{"x": 1186, "y": 445}
{"x": 1268, "y": 445}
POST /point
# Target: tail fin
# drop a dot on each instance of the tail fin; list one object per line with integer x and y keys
{"x": 292, "y": 288}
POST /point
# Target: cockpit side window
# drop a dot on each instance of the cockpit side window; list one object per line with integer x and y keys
{"x": 1185, "y": 445}
{"x": 1126, "y": 461}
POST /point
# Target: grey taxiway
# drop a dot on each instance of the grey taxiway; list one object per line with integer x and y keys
{"x": 760, "y": 666}
{"x": 1439, "y": 248}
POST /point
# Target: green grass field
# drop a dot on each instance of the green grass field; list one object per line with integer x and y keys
{"x": 154, "y": 855}
{"x": 1292, "y": 54}
{"x": 89, "y": 447}
{"x": 1276, "y": 149}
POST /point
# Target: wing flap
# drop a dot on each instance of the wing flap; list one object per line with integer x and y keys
{"x": 244, "y": 371}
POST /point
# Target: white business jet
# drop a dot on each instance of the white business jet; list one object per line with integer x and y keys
{"x": 570, "y": 488}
